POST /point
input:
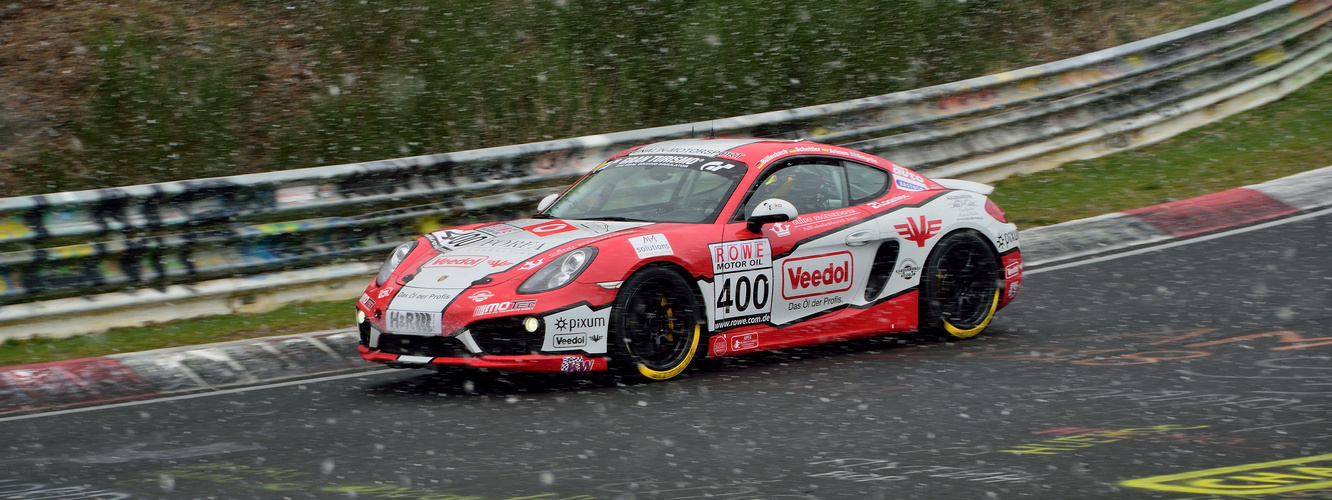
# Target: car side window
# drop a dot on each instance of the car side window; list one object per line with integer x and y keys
{"x": 810, "y": 185}
{"x": 866, "y": 182}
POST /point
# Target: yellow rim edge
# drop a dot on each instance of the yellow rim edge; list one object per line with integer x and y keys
{"x": 663, "y": 375}
{"x": 966, "y": 334}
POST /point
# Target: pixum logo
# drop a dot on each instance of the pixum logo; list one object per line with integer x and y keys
{"x": 456, "y": 261}
{"x": 919, "y": 232}
{"x": 817, "y": 275}
{"x": 781, "y": 229}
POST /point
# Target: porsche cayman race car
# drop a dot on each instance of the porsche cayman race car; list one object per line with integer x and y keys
{"x": 699, "y": 247}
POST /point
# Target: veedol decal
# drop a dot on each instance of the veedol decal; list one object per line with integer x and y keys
{"x": 580, "y": 329}
{"x": 413, "y": 322}
{"x": 1013, "y": 270}
{"x": 450, "y": 260}
{"x": 918, "y": 232}
{"x": 742, "y": 283}
{"x": 816, "y": 275}
{"x": 569, "y": 339}
{"x": 652, "y": 245}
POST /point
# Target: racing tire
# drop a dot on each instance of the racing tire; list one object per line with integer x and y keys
{"x": 959, "y": 287}
{"x": 656, "y": 324}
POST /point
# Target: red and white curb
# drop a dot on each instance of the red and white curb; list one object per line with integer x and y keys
{"x": 1140, "y": 227}
{"x": 177, "y": 370}
{"x": 180, "y": 370}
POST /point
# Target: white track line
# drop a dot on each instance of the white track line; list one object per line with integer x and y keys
{"x": 1178, "y": 243}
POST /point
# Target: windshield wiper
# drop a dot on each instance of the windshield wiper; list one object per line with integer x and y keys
{"x": 542, "y": 216}
{"x": 614, "y": 218}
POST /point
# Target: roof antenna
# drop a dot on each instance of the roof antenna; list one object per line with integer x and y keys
{"x": 712, "y": 132}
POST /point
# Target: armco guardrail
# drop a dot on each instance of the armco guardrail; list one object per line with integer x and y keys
{"x": 157, "y": 245}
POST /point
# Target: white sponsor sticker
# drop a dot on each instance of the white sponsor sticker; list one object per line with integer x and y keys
{"x": 742, "y": 283}
{"x": 577, "y": 329}
{"x": 907, "y": 185}
{"x": 816, "y": 275}
{"x": 415, "y": 322}
{"x": 740, "y": 255}
{"x": 652, "y": 245}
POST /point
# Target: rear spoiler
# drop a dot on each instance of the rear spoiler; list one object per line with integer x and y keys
{"x": 972, "y": 186}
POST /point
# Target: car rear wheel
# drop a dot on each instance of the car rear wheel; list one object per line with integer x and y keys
{"x": 959, "y": 289}
{"x": 656, "y": 324}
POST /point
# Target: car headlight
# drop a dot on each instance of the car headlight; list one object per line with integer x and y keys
{"x": 560, "y": 272}
{"x": 399, "y": 254}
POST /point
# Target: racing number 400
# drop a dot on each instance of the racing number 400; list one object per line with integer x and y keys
{"x": 750, "y": 290}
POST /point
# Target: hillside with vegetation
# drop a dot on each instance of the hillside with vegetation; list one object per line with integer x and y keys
{"x": 97, "y": 94}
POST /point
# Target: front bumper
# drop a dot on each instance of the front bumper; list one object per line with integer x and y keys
{"x": 527, "y": 362}
{"x": 516, "y": 352}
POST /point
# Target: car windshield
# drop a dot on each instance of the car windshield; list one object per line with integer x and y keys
{"x": 651, "y": 188}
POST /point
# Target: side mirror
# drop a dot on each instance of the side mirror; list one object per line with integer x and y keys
{"x": 547, "y": 202}
{"x": 769, "y": 211}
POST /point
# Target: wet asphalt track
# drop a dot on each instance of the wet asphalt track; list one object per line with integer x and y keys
{"x": 1214, "y": 356}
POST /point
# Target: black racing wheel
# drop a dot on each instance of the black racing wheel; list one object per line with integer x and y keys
{"x": 959, "y": 288}
{"x": 656, "y": 323}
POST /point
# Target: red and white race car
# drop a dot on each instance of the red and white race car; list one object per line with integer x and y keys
{"x": 735, "y": 245}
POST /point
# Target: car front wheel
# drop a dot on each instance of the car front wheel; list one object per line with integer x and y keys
{"x": 959, "y": 289}
{"x": 656, "y": 324}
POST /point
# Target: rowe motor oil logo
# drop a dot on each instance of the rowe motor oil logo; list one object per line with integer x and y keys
{"x": 816, "y": 275}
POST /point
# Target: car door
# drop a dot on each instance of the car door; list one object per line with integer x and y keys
{"x": 795, "y": 270}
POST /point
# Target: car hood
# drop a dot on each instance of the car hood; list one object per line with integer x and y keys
{"x": 464, "y": 256}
